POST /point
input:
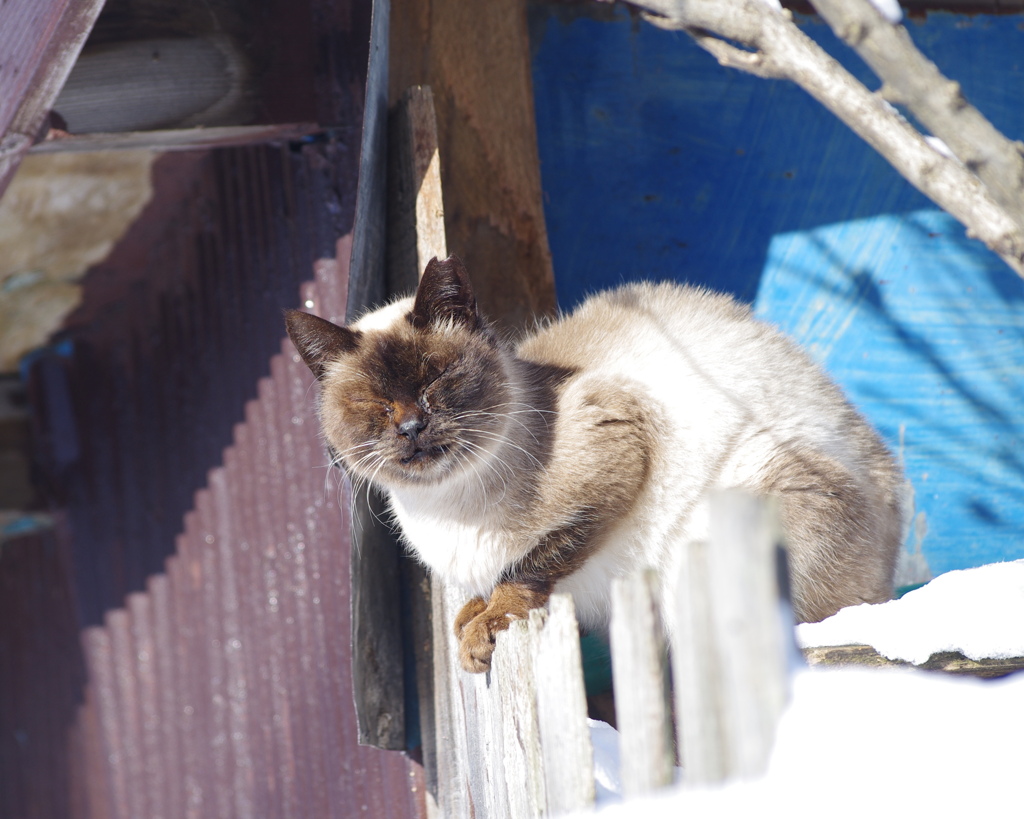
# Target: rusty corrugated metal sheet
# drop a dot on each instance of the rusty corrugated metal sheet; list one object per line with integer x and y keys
{"x": 39, "y": 42}
{"x": 41, "y": 679}
{"x": 207, "y": 542}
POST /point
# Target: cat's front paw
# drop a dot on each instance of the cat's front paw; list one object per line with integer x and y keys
{"x": 479, "y": 622}
{"x": 475, "y": 628}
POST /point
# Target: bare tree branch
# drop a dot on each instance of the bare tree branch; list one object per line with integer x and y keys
{"x": 753, "y": 36}
{"x": 911, "y": 79}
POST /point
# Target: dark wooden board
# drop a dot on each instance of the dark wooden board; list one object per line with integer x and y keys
{"x": 951, "y": 662}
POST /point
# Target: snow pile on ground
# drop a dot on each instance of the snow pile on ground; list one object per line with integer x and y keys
{"x": 883, "y": 742}
{"x": 978, "y": 612}
{"x": 873, "y": 742}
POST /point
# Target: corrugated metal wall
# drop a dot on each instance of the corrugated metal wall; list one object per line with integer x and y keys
{"x": 204, "y": 545}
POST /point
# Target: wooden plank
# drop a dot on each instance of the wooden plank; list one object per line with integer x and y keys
{"x": 748, "y": 631}
{"x": 484, "y": 744}
{"x": 642, "y": 697}
{"x": 453, "y": 777}
{"x": 416, "y": 231}
{"x": 562, "y": 710}
{"x": 377, "y": 659}
{"x": 950, "y": 662}
{"x": 521, "y": 759}
{"x": 696, "y": 672}
{"x": 476, "y": 59}
{"x": 181, "y": 139}
{"x": 728, "y": 644}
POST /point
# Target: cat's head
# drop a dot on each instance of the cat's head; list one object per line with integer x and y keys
{"x": 414, "y": 392}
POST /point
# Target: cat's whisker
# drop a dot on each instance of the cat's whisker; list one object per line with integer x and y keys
{"x": 464, "y": 456}
{"x": 491, "y": 464}
{"x": 463, "y": 416}
{"x": 505, "y": 441}
{"x": 490, "y": 460}
{"x": 336, "y": 461}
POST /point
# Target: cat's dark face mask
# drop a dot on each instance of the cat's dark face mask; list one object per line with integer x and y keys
{"x": 418, "y": 400}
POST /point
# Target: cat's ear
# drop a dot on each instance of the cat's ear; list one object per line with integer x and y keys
{"x": 445, "y": 294}
{"x": 318, "y": 341}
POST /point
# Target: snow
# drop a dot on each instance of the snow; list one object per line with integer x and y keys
{"x": 940, "y": 147}
{"x": 978, "y": 612}
{"x": 873, "y": 742}
{"x": 882, "y": 742}
{"x": 889, "y": 9}
{"x": 607, "y": 783}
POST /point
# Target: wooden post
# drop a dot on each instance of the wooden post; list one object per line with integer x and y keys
{"x": 415, "y": 203}
{"x": 747, "y": 627}
{"x": 640, "y": 673}
{"x": 476, "y": 59}
{"x": 453, "y": 770}
{"x": 562, "y": 708}
{"x": 697, "y": 676}
{"x": 522, "y": 761}
{"x": 728, "y": 644}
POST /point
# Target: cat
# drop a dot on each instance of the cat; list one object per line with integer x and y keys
{"x": 588, "y": 448}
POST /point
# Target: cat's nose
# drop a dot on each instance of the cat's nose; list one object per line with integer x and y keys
{"x": 412, "y": 426}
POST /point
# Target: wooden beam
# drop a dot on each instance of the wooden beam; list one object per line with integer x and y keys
{"x": 950, "y": 662}
{"x": 416, "y": 230}
{"x": 378, "y": 664}
{"x": 179, "y": 139}
{"x": 476, "y": 59}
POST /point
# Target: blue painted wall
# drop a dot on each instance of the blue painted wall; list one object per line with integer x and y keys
{"x": 658, "y": 163}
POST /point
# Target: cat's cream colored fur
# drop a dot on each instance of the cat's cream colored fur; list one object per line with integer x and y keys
{"x": 603, "y": 432}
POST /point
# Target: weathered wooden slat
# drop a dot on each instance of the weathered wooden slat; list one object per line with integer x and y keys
{"x": 416, "y": 229}
{"x": 748, "y": 629}
{"x": 483, "y": 744}
{"x": 562, "y": 710}
{"x": 378, "y": 655}
{"x": 696, "y": 672}
{"x": 642, "y": 697}
{"x": 729, "y": 658}
{"x": 516, "y": 682}
{"x": 453, "y": 766}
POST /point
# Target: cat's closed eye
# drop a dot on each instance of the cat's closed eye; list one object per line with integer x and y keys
{"x": 435, "y": 374}
{"x": 368, "y": 402}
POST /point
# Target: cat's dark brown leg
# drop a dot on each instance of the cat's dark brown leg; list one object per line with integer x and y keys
{"x": 842, "y": 537}
{"x": 478, "y": 623}
{"x": 601, "y": 459}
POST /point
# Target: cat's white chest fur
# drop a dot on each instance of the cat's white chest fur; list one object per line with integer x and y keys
{"x": 470, "y": 554}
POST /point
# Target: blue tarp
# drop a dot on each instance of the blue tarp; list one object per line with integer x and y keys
{"x": 658, "y": 163}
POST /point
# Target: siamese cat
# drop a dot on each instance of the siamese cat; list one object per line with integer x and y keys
{"x": 587, "y": 449}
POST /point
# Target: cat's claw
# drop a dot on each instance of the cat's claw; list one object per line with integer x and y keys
{"x": 476, "y": 627}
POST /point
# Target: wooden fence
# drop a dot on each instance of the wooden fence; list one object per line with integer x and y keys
{"x": 515, "y": 742}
